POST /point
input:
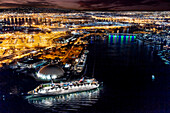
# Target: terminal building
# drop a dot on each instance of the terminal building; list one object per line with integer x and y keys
{"x": 31, "y": 63}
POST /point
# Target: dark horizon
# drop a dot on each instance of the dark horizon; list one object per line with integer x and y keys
{"x": 91, "y": 5}
{"x": 75, "y": 9}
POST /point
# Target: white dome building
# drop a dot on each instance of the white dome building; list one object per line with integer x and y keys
{"x": 50, "y": 71}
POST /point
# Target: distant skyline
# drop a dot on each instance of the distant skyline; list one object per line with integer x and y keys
{"x": 89, "y": 4}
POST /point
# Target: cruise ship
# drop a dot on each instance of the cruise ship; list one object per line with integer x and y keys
{"x": 65, "y": 87}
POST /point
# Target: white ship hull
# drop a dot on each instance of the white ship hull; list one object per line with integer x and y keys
{"x": 65, "y": 87}
{"x": 66, "y": 90}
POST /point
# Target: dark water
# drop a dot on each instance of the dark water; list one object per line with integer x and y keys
{"x": 126, "y": 69}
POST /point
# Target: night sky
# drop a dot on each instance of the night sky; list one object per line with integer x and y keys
{"x": 90, "y": 4}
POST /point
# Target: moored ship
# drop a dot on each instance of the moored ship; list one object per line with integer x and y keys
{"x": 65, "y": 87}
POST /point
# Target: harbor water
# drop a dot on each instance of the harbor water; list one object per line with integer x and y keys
{"x": 126, "y": 68}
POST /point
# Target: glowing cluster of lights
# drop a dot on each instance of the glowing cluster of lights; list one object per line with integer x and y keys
{"x": 46, "y": 77}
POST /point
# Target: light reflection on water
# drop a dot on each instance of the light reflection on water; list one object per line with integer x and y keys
{"x": 121, "y": 39}
{"x": 67, "y": 102}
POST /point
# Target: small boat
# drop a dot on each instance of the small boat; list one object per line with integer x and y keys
{"x": 162, "y": 56}
{"x": 64, "y": 87}
{"x": 164, "y": 59}
{"x": 159, "y": 54}
{"x": 167, "y": 62}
